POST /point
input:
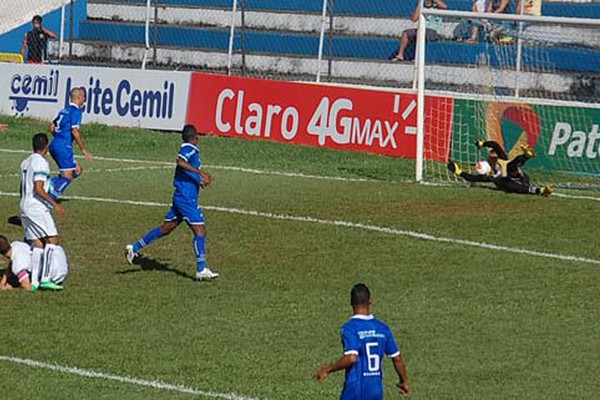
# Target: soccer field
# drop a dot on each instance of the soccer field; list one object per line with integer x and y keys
{"x": 491, "y": 296}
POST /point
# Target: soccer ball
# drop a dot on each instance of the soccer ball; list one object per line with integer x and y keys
{"x": 483, "y": 168}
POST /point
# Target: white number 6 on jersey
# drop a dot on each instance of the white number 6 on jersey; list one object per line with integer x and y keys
{"x": 373, "y": 357}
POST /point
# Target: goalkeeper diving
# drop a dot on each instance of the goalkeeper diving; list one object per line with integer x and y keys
{"x": 507, "y": 175}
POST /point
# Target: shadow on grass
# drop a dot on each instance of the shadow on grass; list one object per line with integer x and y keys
{"x": 150, "y": 264}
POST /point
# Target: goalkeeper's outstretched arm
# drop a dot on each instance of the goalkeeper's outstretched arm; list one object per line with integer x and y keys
{"x": 455, "y": 169}
{"x": 492, "y": 144}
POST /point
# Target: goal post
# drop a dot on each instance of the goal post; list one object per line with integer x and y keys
{"x": 515, "y": 79}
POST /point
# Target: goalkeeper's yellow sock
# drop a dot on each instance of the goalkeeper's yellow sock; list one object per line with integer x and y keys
{"x": 546, "y": 190}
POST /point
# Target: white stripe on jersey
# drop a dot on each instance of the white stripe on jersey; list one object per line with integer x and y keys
{"x": 33, "y": 168}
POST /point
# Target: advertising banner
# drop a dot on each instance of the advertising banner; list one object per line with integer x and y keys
{"x": 566, "y": 139}
{"x": 116, "y": 97}
{"x": 368, "y": 120}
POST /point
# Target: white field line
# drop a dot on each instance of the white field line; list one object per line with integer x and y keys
{"x": 353, "y": 225}
{"x": 86, "y": 373}
{"x": 274, "y": 173}
{"x": 100, "y": 171}
{"x": 572, "y": 196}
{"x": 234, "y": 168}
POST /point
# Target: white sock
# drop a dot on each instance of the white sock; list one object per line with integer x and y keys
{"x": 36, "y": 265}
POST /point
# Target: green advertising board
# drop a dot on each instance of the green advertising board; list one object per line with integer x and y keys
{"x": 567, "y": 139}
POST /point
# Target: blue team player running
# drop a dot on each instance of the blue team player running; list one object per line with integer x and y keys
{"x": 366, "y": 342}
{"x": 66, "y": 128}
{"x": 189, "y": 178}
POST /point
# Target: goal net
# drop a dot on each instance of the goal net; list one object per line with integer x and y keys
{"x": 523, "y": 82}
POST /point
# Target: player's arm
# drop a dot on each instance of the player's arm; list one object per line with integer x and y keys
{"x": 205, "y": 178}
{"x": 24, "y": 48}
{"x": 415, "y": 15}
{"x": 49, "y": 33}
{"x": 41, "y": 193}
{"x": 346, "y": 362}
{"x": 492, "y": 144}
{"x": 400, "y": 368}
{"x": 4, "y": 281}
{"x": 502, "y": 6}
{"x": 26, "y": 284}
{"x": 442, "y": 5}
{"x": 351, "y": 346}
{"x": 79, "y": 140}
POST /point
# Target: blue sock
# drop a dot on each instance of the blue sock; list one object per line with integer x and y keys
{"x": 59, "y": 185}
{"x": 200, "y": 251}
{"x": 147, "y": 239}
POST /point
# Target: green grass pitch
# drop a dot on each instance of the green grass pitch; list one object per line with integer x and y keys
{"x": 472, "y": 323}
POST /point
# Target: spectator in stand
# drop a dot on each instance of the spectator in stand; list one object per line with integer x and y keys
{"x": 499, "y": 6}
{"x": 501, "y": 32}
{"x": 529, "y": 7}
{"x": 468, "y": 30}
{"x": 434, "y": 25}
{"x": 35, "y": 44}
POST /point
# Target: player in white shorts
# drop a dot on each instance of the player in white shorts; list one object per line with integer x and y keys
{"x": 54, "y": 270}
{"x": 38, "y": 224}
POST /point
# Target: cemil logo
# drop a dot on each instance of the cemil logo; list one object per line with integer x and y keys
{"x": 26, "y": 89}
{"x": 513, "y": 125}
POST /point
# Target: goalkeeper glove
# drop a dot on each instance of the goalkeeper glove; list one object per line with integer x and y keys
{"x": 528, "y": 151}
{"x": 454, "y": 168}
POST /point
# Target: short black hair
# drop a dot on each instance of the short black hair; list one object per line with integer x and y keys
{"x": 188, "y": 133}
{"x": 4, "y": 245}
{"x": 360, "y": 295}
{"x": 37, "y": 18}
{"x": 39, "y": 141}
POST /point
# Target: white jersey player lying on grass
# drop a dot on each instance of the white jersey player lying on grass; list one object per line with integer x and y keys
{"x": 36, "y": 218}
{"x": 20, "y": 271}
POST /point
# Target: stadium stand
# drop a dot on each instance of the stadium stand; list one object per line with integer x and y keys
{"x": 281, "y": 38}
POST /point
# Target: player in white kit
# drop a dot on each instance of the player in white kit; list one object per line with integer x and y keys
{"x": 54, "y": 269}
{"x": 38, "y": 224}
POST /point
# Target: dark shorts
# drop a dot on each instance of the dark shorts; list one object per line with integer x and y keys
{"x": 430, "y": 35}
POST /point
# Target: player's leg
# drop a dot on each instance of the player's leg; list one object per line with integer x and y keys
{"x": 195, "y": 219}
{"x": 39, "y": 229}
{"x": 69, "y": 170}
{"x": 172, "y": 221}
{"x": 511, "y": 186}
{"x": 37, "y": 255}
{"x": 56, "y": 267}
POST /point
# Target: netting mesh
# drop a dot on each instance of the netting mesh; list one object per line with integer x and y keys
{"x": 519, "y": 84}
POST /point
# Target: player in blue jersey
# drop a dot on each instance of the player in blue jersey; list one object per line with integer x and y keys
{"x": 188, "y": 181}
{"x": 66, "y": 128}
{"x": 366, "y": 342}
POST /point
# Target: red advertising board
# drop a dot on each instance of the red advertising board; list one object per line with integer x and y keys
{"x": 374, "y": 121}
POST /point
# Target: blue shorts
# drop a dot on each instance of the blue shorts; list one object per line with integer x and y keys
{"x": 185, "y": 210}
{"x": 63, "y": 155}
{"x": 362, "y": 391}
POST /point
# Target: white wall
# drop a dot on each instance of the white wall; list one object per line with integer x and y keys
{"x": 16, "y": 13}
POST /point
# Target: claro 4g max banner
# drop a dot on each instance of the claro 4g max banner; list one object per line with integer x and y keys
{"x": 375, "y": 121}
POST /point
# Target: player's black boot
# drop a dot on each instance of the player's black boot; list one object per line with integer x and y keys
{"x": 15, "y": 220}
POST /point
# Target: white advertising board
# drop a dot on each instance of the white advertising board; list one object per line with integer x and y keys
{"x": 116, "y": 97}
